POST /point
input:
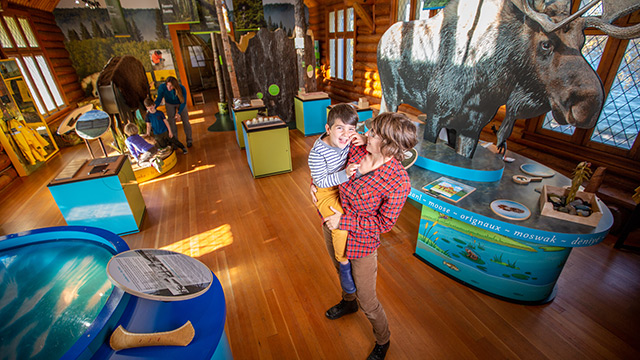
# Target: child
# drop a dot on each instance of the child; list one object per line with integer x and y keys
{"x": 161, "y": 131}
{"x": 140, "y": 149}
{"x": 327, "y": 160}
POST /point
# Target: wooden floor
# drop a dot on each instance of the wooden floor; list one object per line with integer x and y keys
{"x": 262, "y": 239}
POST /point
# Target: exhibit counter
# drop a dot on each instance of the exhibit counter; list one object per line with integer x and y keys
{"x": 490, "y": 235}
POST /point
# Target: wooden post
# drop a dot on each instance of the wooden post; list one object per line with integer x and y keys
{"x": 218, "y": 68}
{"x": 299, "y": 38}
{"x": 227, "y": 50}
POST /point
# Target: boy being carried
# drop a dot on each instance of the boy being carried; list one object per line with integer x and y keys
{"x": 327, "y": 160}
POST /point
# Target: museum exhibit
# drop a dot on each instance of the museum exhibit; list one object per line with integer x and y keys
{"x": 319, "y": 179}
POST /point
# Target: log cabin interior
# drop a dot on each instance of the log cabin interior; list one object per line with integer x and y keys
{"x": 262, "y": 237}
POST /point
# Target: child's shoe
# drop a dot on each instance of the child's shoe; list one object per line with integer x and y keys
{"x": 346, "y": 279}
{"x": 157, "y": 164}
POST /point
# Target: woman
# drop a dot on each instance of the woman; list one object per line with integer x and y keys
{"x": 371, "y": 200}
{"x": 174, "y": 94}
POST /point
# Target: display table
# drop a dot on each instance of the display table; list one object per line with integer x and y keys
{"x": 80, "y": 327}
{"x": 515, "y": 260}
{"x": 363, "y": 113}
{"x": 311, "y": 113}
{"x": 102, "y": 192}
{"x": 241, "y": 114}
{"x": 268, "y": 149}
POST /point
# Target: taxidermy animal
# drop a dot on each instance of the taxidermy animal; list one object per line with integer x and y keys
{"x": 474, "y": 56}
{"x": 128, "y": 75}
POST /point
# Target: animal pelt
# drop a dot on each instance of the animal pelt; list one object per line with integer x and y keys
{"x": 128, "y": 74}
{"x": 93, "y": 80}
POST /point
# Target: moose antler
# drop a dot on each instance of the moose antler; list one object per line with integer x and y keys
{"x": 612, "y": 10}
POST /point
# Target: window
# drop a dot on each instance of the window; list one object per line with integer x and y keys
{"x": 197, "y": 56}
{"x": 341, "y": 43}
{"x": 418, "y": 9}
{"x": 617, "y": 128}
{"x": 19, "y": 42}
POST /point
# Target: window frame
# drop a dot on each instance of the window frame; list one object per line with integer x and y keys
{"x": 19, "y": 54}
{"x": 612, "y": 57}
{"x": 344, "y": 35}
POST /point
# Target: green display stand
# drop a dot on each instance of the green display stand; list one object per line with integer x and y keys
{"x": 268, "y": 150}
{"x": 241, "y": 114}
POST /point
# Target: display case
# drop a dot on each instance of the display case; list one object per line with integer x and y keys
{"x": 25, "y": 136}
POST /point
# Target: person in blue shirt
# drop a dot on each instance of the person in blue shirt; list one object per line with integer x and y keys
{"x": 162, "y": 132}
{"x": 140, "y": 149}
{"x": 174, "y": 95}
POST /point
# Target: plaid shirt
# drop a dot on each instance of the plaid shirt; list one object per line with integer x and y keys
{"x": 371, "y": 203}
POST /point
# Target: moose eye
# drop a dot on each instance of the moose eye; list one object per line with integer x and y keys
{"x": 546, "y": 46}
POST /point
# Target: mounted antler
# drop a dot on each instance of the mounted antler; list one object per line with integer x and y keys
{"x": 612, "y": 10}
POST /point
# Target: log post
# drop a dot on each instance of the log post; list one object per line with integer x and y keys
{"x": 227, "y": 50}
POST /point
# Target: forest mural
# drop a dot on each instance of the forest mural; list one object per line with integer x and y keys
{"x": 90, "y": 39}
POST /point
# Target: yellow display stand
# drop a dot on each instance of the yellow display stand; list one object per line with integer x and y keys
{"x": 147, "y": 173}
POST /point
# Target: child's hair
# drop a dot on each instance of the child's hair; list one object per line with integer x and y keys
{"x": 344, "y": 112}
{"x": 148, "y": 102}
{"x": 131, "y": 129}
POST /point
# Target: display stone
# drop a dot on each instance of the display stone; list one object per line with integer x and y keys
{"x": 268, "y": 148}
{"x": 241, "y": 114}
{"x": 517, "y": 259}
{"x": 103, "y": 193}
{"x": 23, "y": 133}
{"x": 311, "y": 113}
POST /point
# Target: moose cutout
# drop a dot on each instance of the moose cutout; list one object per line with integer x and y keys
{"x": 461, "y": 65}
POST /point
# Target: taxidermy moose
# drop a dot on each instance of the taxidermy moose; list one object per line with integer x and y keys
{"x": 474, "y": 56}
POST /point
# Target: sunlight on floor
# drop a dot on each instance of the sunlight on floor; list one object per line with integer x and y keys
{"x": 203, "y": 243}
{"x": 199, "y": 168}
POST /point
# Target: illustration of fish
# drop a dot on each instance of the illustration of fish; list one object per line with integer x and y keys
{"x": 451, "y": 266}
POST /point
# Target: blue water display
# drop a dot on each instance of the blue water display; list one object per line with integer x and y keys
{"x": 50, "y": 293}
{"x": 510, "y": 268}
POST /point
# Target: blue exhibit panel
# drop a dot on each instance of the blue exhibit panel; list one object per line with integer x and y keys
{"x": 99, "y": 202}
{"x": 364, "y": 114}
{"x": 311, "y": 115}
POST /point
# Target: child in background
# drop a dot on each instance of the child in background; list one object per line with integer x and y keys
{"x": 157, "y": 122}
{"x": 140, "y": 149}
{"x": 327, "y": 160}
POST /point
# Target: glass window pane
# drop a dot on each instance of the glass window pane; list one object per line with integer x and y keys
{"x": 332, "y": 22}
{"x": 340, "y": 20}
{"x": 4, "y": 38}
{"x": 340, "y": 59}
{"x": 36, "y": 98}
{"x": 39, "y": 82}
{"x": 594, "y": 11}
{"x": 197, "y": 56}
{"x": 15, "y": 32}
{"x": 350, "y": 59}
{"x": 592, "y": 51}
{"x": 619, "y": 121}
{"x": 404, "y": 10}
{"x": 332, "y": 57}
{"x": 26, "y": 29}
{"x": 44, "y": 68}
{"x": 350, "y": 19}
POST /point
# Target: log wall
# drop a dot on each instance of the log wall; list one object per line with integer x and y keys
{"x": 52, "y": 45}
{"x": 366, "y": 81}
